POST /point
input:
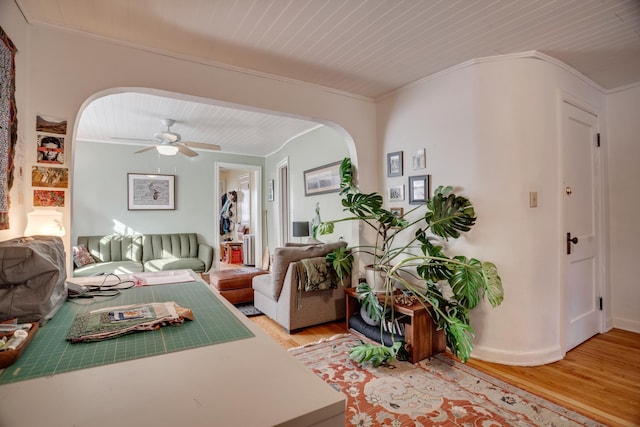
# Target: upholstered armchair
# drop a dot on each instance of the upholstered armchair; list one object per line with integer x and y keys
{"x": 278, "y": 296}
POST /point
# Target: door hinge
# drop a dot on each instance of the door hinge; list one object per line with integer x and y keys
{"x": 598, "y": 140}
{"x": 600, "y": 300}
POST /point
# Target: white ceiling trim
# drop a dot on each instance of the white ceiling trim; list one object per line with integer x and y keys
{"x": 497, "y": 58}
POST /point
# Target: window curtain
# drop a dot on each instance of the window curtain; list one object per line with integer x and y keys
{"x": 8, "y": 123}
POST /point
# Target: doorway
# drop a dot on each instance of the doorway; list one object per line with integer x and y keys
{"x": 582, "y": 201}
{"x": 246, "y": 181}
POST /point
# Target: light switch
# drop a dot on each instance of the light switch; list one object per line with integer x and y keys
{"x": 533, "y": 199}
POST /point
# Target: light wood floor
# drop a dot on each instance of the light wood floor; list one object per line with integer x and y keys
{"x": 600, "y": 378}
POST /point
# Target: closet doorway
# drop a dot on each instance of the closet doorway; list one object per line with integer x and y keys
{"x": 244, "y": 182}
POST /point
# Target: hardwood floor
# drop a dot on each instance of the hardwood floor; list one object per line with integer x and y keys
{"x": 600, "y": 378}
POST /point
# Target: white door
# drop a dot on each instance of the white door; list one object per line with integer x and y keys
{"x": 581, "y": 194}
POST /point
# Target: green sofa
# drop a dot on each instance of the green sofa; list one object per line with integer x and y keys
{"x": 122, "y": 254}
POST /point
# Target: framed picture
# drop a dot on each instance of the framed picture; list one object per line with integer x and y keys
{"x": 397, "y": 211}
{"x": 270, "y": 190}
{"x": 150, "y": 192}
{"x": 50, "y": 149}
{"x": 43, "y": 176}
{"x": 418, "y": 189}
{"x": 323, "y": 179}
{"x": 48, "y": 198}
{"x": 396, "y": 193}
{"x": 419, "y": 159}
{"x": 394, "y": 164}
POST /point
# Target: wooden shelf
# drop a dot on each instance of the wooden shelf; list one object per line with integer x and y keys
{"x": 421, "y": 336}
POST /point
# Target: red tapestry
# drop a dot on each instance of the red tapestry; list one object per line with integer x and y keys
{"x": 8, "y": 123}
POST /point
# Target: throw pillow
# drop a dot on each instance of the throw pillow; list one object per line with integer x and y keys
{"x": 81, "y": 256}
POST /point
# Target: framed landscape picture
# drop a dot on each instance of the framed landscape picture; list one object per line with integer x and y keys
{"x": 418, "y": 189}
{"x": 150, "y": 192}
{"x": 323, "y": 179}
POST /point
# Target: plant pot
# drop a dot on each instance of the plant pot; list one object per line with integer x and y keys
{"x": 377, "y": 279}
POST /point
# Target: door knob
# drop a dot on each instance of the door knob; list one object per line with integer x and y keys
{"x": 570, "y": 240}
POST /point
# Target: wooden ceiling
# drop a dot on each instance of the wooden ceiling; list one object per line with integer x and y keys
{"x": 367, "y": 48}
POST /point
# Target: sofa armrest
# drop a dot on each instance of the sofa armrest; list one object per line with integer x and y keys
{"x": 205, "y": 254}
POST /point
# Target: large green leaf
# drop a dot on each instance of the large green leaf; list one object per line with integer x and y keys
{"x": 363, "y": 205}
{"x": 459, "y": 337}
{"x": 369, "y": 301}
{"x": 376, "y": 354}
{"x": 434, "y": 267}
{"x": 467, "y": 281}
{"x": 325, "y": 228}
{"x": 492, "y": 284}
{"x": 449, "y": 215}
{"x": 342, "y": 261}
{"x": 346, "y": 176}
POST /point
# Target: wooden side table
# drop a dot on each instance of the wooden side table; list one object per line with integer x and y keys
{"x": 421, "y": 336}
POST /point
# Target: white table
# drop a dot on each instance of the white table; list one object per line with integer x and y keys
{"x": 248, "y": 382}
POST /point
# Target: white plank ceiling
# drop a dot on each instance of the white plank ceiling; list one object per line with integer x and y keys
{"x": 364, "y": 47}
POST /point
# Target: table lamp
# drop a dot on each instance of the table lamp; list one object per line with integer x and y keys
{"x": 300, "y": 229}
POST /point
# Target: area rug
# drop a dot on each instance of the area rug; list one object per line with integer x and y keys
{"x": 436, "y": 391}
{"x": 248, "y": 309}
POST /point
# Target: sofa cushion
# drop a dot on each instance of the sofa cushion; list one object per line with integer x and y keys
{"x": 81, "y": 256}
{"x": 113, "y": 247}
{"x": 115, "y": 267}
{"x": 194, "y": 264}
{"x": 163, "y": 246}
{"x": 285, "y": 256}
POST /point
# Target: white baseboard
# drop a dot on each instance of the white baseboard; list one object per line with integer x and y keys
{"x": 518, "y": 358}
{"x": 626, "y": 324}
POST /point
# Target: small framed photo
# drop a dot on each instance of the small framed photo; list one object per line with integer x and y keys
{"x": 419, "y": 159}
{"x": 150, "y": 192}
{"x": 394, "y": 164}
{"x": 396, "y": 193}
{"x": 397, "y": 211}
{"x": 418, "y": 189}
{"x": 270, "y": 190}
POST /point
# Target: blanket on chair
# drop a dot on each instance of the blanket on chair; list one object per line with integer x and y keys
{"x": 315, "y": 274}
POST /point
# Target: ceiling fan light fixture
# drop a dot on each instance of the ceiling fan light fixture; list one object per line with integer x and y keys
{"x": 167, "y": 150}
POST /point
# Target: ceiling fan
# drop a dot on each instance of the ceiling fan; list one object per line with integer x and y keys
{"x": 170, "y": 143}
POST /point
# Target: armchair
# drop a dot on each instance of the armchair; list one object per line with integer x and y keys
{"x": 276, "y": 294}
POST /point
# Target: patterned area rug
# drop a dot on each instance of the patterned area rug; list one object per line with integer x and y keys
{"x": 438, "y": 391}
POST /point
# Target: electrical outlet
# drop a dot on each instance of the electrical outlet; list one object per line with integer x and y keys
{"x": 533, "y": 199}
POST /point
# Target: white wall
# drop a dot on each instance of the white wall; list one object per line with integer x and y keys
{"x": 60, "y": 71}
{"x": 490, "y": 130}
{"x": 623, "y": 145}
{"x": 316, "y": 148}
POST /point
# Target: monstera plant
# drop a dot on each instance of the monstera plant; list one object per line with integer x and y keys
{"x": 410, "y": 252}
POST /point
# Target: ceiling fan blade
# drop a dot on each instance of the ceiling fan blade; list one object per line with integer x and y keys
{"x": 186, "y": 151}
{"x": 202, "y": 146}
{"x": 151, "y": 147}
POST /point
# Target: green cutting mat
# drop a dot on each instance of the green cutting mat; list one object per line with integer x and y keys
{"x": 50, "y": 353}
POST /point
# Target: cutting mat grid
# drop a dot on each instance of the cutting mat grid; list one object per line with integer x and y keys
{"x": 50, "y": 353}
